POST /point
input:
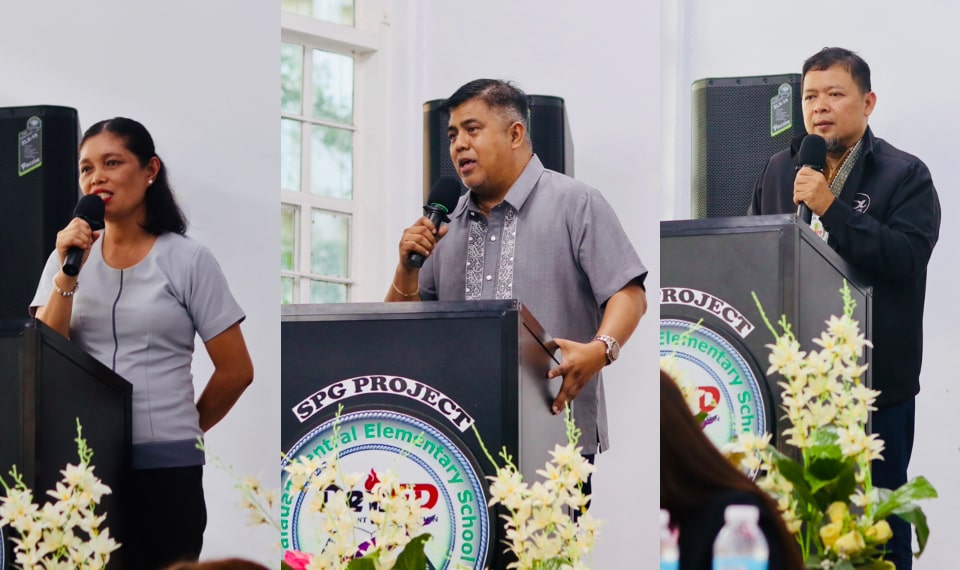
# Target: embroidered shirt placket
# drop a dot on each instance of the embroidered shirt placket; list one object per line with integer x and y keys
{"x": 474, "y": 268}
{"x": 491, "y": 241}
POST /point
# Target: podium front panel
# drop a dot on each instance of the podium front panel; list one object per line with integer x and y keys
{"x": 411, "y": 381}
{"x": 711, "y": 270}
{"x": 47, "y": 384}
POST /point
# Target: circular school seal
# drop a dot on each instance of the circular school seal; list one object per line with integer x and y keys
{"x": 443, "y": 478}
{"x": 730, "y": 392}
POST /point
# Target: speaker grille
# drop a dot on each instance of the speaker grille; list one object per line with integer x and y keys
{"x": 549, "y": 133}
{"x": 34, "y": 205}
{"x": 732, "y": 138}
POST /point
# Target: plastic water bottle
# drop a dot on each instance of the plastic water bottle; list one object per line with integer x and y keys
{"x": 740, "y": 545}
{"x": 669, "y": 552}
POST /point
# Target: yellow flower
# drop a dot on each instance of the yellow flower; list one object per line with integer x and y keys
{"x": 879, "y": 533}
{"x": 830, "y": 533}
{"x": 837, "y": 511}
{"x": 849, "y": 544}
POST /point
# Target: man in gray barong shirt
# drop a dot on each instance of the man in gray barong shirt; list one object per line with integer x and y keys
{"x": 527, "y": 233}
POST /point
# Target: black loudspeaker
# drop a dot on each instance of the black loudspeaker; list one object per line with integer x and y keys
{"x": 549, "y": 133}
{"x": 738, "y": 123}
{"x": 38, "y": 191}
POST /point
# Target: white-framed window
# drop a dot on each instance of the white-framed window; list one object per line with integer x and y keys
{"x": 323, "y": 55}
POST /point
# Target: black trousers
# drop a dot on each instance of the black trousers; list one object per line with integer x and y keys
{"x": 895, "y": 426}
{"x": 166, "y": 517}
{"x": 587, "y": 486}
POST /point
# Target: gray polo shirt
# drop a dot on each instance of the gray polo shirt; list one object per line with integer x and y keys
{"x": 554, "y": 244}
{"x": 141, "y": 323}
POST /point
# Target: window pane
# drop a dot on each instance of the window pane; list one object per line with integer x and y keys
{"x": 291, "y": 78}
{"x": 336, "y": 11}
{"x": 323, "y": 292}
{"x": 331, "y": 162}
{"x": 288, "y": 237}
{"x": 290, "y": 155}
{"x": 333, "y": 86}
{"x": 286, "y": 290}
{"x": 329, "y": 251}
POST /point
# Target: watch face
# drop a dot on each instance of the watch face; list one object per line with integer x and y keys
{"x": 613, "y": 347}
{"x": 613, "y": 350}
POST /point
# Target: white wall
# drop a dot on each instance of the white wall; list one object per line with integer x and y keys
{"x": 602, "y": 58}
{"x": 909, "y": 49}
{"x": 202, "y": 77}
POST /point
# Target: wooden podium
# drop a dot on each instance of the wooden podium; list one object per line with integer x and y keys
{"x": 710, "y": 269}
{"x": 46, "y": 385}
{"x": 413, "y": 380}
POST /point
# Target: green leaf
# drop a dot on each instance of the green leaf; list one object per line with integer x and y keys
{"x": 285, "y": 566}
{"x": 825, "y": 469}
{"x": 824, "y": 445}
{"x": 413, "y": 557}
{"x": 913, "y": 490}
{"x": 839, "y": 488}
{"x": 843, "y": 564}
{"x": 365, "y": 563}
{"x": 914, "y": 515}
{"x": 876, "y": 565}
{"x": 793, "y": 472}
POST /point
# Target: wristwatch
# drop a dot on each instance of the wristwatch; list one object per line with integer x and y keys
{"x": 613, "y": 347}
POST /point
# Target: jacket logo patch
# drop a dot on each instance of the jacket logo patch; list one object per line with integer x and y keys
{"x": 861, "y": 203}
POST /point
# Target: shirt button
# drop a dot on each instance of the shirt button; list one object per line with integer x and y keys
{"x": 493, "y": 238}
{"x": 468, "y": 289}
{"x": 470, "y": 238}
{"x": 468, "y": 264}
{"x": 489, "y": 277}
{"x": 511, "y": 260}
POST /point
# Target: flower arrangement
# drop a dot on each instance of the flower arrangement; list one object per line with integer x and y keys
{"x": 64, "y": 533}
{"x": 827, "y": 499}
{"x": 396, "y": 513}
{"x": 398, "y": 518}
{"x": 541, "y": 533}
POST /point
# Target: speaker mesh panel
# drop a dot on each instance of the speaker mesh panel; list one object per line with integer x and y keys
{"x": 34, "y": 205}
{"x": 731, "y": 127}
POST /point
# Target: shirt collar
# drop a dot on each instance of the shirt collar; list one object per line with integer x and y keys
{"x": 518, "y": 193}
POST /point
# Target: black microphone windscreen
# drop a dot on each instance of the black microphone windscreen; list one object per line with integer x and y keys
{"x": 813, "y": 152}
{"x": 445, "y": 193}
{"x": 90, "y": 209}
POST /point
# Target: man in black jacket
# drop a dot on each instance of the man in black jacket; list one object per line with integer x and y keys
{"x": 877, "y": 207}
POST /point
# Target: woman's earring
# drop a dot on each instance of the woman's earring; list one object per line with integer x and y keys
{"x": 149, "y": 181}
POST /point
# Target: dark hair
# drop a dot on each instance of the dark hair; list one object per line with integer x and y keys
{"x": 692, "y": 469}
{"x": 496, "y": 93}
{"x": 163, "y": 213}
{"x": 853, "y": 63}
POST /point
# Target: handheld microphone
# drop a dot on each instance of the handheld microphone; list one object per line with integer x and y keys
{"x": 442, "y": 200}
{"x": 813, "y": 154}
{"x": 89, "y": 209}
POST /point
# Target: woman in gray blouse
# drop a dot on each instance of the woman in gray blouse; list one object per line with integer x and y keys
{"x": 148, "y": 290}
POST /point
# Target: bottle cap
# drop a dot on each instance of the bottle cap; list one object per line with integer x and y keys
{"x": 741, "y": 513}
